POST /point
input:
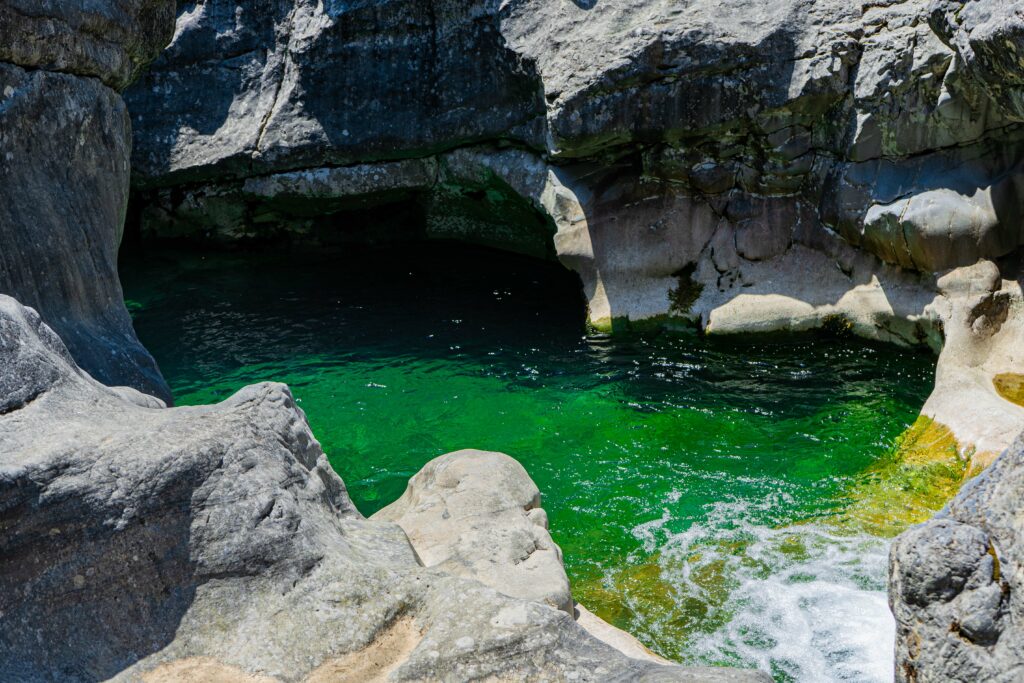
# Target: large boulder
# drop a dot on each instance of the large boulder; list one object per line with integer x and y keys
{"x": 216, "y": 543}
{"x": 65, "y": 142}
{"x": 955, "y": 584}
{"x": 63, "y": 192}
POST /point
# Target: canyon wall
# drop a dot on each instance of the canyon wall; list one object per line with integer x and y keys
{"x": 65, "y": 143}
{"x": 738, "y": 166}
{"x": 733, "y": 165}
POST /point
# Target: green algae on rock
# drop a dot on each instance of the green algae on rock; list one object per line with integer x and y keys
{"x": 921, "y": 473}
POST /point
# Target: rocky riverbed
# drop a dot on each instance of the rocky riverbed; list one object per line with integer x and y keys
{"x": 729, "y": 165}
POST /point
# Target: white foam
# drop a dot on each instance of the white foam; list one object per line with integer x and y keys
{"x": 805, "y": 603}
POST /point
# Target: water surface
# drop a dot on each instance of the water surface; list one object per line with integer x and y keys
{"x": 693, "y": 484}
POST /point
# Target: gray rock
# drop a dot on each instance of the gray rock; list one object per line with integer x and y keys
{"x": 988, "y": 36}
{"x": 65, "y": 142}
{"x": 477, "y": 514}
{"x": 955, "y": 583}
{"x": 108, "y": 39}
{"x": 255, "y": 86}
{"x": 64, "y": 146}
{"x": 795, "y": 121}
{"x": 215, "y": 542}
{"x": 650, "y": 71}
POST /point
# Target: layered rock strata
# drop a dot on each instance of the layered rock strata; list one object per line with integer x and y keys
{"x": 143, "y": 543}
{"x": 65, "y": 143}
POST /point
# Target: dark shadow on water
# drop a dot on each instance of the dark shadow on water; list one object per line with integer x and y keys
{"x": 205, "y": 316}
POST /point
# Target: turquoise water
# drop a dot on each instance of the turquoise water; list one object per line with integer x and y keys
{"x": 693, "y": 484}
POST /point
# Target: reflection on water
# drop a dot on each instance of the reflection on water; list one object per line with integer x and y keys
{"x": 694, "y": 485}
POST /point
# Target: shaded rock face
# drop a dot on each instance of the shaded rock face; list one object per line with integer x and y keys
{"x": 107, "y": 39}
{"x": 955, "y": 583}
{"x": 149, "y": 543}
{"x": 265, "y": 85}
{"x": 65, "y": 141}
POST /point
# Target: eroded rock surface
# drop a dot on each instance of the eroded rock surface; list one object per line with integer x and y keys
{"x": 107, "y": 39}
{"x": 478, "y": 514}
{"x": 268, "y": 85}
{"x": 776, "y": 125}
{"x": 155, "y": 544}
{"x": 955, "y": 584}
{"x": 718, "y": 140}
{"x": 65, "y": 142}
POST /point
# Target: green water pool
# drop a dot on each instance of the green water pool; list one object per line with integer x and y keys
{"x": 694, "y": 485}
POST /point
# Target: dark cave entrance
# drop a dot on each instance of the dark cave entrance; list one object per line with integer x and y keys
{"x": 234, "y": 216}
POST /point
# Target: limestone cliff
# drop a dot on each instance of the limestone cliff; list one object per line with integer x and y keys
{"x": 65, "y": 141}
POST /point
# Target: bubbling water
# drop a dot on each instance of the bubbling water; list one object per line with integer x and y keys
{"x": 805, "y": 602}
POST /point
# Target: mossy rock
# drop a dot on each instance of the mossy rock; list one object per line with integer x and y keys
{"x": 655, "y": 323}
{"x": 837, "y": 324}
{"x": 1010, "y": 385}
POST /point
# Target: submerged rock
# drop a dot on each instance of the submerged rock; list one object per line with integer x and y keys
{"x": 155, "y": 544}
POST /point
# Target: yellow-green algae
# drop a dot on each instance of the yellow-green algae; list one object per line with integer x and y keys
{"x": 652, "y": 324}
{"x": 909, "y": 484}
{"x": 922, "y": 471}
{"x": 1010, "y": 385}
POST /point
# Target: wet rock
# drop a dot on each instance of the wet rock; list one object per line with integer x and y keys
{"x": 145, "y": 543}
